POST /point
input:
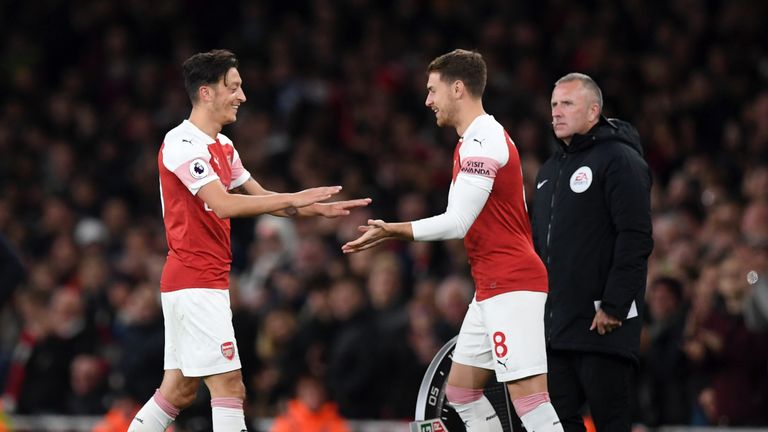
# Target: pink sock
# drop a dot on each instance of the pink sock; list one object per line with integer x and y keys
{"x": 227, "y": 402}
{"x": 524, "y": 405}
{"x": 461, "y": 395}
{"x": 164, "y": 405}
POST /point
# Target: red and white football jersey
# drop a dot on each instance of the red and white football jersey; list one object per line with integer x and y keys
{"x": 499, "y": 243}
{"x": 199, "y": 251}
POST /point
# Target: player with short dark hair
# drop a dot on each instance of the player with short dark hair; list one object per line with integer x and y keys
{"x": 203, "y": 183}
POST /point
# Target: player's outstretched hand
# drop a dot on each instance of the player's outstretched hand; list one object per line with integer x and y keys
{"x": 313, "y": 195}
{"x": 340, "y": 208}
{"x": 374, "y": 233}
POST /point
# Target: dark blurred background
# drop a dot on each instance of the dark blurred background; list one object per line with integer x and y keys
{"x": 335, "y": 91}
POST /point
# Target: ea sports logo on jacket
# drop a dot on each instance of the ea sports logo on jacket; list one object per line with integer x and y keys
{"x": 581, "y": 179}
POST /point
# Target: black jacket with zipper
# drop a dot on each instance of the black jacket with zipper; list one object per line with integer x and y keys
{"x": 592, "y": 229}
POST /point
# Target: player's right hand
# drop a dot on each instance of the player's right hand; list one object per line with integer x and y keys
{"x": 376, "y": 232}
{"x": 313, "y": 195}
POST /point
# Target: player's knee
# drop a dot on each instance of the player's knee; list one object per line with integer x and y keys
{"x": 461, "y": 395}
{"x": 227, "y": 385}
{"x": 180, "y": 393}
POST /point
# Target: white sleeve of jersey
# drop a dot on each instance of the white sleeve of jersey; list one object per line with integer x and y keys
{"x": 483, "y": 152}
{"x": 465, "y": 201}
{"x": 191, "y": 165}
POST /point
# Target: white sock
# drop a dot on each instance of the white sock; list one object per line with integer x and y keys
{"x": 543, "y": 418}
{"x": 228, "y": 415}
{"x": 478, "y": 416}
{"x": 151, "y": 417}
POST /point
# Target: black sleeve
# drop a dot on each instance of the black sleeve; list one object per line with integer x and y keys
{"x": 628, "y": 194}
{"x": 12, "y": 271}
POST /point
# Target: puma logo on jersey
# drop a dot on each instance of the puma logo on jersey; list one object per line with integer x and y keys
{"x": 186, "y": 141}
{"x": 478, "y": 141}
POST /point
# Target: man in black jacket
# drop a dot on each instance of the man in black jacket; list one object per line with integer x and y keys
{"x": 592, "y": 229}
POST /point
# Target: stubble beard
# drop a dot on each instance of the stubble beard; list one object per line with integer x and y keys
{"x": 447, "y": 118}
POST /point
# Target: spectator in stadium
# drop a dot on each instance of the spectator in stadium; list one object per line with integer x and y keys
{"x": 592, "y": 228}
{"x": 88, "y": 386}
{"x": 353, "y": 361}
{"x": 119, "y": 416}
{"x": 451, "y": 298}
{"x": 12, "y": 271}
{"x": 733, "y": 356}
{"x": 139, "y": 328}
{"x": 55, "y": 333}
{"x": 310, "y": 410}
{"x": 503, "y": 328}
{"x": 663, "y": 386}
{"x": 198, "y": 168}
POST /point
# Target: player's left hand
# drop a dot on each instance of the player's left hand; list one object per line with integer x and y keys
{"x": 339, "y": 208}
{"x": 604, "y": 323}
{"x": 374, "y": 233}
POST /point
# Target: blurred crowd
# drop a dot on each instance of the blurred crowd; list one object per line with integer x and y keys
{"x": 335, "y": 96}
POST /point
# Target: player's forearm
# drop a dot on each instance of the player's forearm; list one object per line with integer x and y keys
{"x": 401, "y": 230}
{"x": 310, "y": 210}
{"x": 236, "y": 205}
{"x": 251, "y": 187}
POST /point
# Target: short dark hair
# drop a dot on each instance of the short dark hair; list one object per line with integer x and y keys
{"x": 465, "y": 66}
{"x": 207, "y": 68}
{"x": 588, "y": 83}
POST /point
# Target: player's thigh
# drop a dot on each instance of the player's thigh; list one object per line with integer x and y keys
{"x": 514, "y": 322}
{"x": 200, "y": 339}
{"x": 472, "y": 346}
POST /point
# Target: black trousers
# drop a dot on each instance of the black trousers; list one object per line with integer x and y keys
{"x": 603, "y": 381}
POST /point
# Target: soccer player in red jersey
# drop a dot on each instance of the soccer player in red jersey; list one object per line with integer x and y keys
{"x": 203, "y": 183}
{"x": 503, "y": 330}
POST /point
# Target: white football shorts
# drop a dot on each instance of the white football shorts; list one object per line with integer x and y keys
{"x": 505, "y": 333}
{"x": 199, "y": 337}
